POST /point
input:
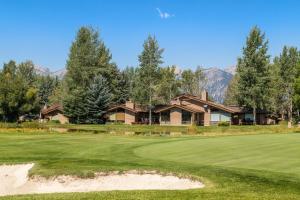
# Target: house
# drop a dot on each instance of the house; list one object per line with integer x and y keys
{"x": 54, "y": 113}
{"x": 192, "y": 110}
{"x": 186, "y": 109}
{"x": 131, "y": 113}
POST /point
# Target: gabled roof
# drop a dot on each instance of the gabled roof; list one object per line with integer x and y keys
{"x": 168, "y": 107}
{"x": 210, "y": 103}
{"x": 54, "y": 107}
{"x": 123, "y": 107}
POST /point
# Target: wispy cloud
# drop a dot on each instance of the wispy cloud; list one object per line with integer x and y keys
{"x": 164, "y": 15}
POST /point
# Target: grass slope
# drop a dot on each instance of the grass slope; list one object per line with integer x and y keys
{"x": 271, "y": 170}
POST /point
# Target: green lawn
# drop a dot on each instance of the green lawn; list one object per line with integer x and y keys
{"x": 232, "y": 167}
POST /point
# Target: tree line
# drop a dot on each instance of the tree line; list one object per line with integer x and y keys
{"x": 262, "y": 85}
{"x": 93, "y": 82}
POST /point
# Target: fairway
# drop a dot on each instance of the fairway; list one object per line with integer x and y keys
{"x": 231, "y": 167}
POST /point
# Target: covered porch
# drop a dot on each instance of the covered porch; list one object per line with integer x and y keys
{"x": 180, "y": 115}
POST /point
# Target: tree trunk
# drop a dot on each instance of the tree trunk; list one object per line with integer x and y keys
{"x": 290, "y": 110}
{"x": 254, "y": 116}
{"x": 150, "y": 109}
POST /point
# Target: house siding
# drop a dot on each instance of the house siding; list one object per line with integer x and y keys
{"x": 175, "y": 116}
{"x": 129, "y": 117}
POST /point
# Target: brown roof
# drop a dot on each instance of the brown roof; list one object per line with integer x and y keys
{"x": 237, "y": 109}
{"x": 123, "y": 107}
{"x": 54, "y": 107}
{"x": 193, "y": 110}
{"x": 210, "y": 103}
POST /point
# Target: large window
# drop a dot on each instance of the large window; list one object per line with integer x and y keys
{"x": 165, "y": 117}
{"x": 186, "y": 117}
{"x": 217, "y": 116}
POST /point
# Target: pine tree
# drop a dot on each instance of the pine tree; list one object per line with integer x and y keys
{"x": 254, "y": 73}
{"x": 98, "y": 100}
{"x": 122, "y": 90}
{"x": 74, "y": 105}
{"x": 150, "y": 60}
{"x": 130, "y": 75}
{"x": 88, "y": 58}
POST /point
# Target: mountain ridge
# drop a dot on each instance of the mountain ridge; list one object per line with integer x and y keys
{"x": 216, "y": 83}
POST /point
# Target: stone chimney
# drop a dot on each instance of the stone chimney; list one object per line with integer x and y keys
{"x": 204, "y": 95}
{"x": 129, "y": 104}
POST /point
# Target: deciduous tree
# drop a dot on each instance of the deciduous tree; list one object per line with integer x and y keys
{"x": 253, "y": 70}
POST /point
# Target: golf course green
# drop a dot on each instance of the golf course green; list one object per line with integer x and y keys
{"x": 265, "y": 166}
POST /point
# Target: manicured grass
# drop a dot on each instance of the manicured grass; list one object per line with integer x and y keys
{"x": 276, "y": 153}
{"x": 232, "y": 167}
{"x": 199, "y": 130}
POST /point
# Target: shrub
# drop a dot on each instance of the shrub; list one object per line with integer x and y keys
{"x": 8, "y": 125}
{"x": 34, "y": 124}
{"x": 224, "y": 124}
{"x": 283, "y": 123}
{"x": 55, "y": 121}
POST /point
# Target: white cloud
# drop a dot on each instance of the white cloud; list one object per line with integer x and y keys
{"x": 164, "y": 15}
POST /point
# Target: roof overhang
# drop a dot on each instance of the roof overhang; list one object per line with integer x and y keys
{"x": 210, "y": 103}
{"x": 121, "y": 106}
{"x": 192, "y": 110}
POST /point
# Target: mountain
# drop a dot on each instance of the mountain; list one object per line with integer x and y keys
{"x": 217, "y": 81}
{"x": 44, "y": 71}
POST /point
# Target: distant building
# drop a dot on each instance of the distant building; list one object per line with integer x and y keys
{"x": 54, "y": 113}
{"x": 184, "y": 109}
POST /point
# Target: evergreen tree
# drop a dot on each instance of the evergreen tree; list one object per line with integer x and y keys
{"x": 88, "y": 58}
{"x": 74, "y": 105}
{"x": 254, "y": 73}
{"x": 287, "y": 70}
{"x": 122, "y": 90}
{"x": 98, "y": 100}
{"x": 150, "y": 60}
{"x": 130, "y": 75}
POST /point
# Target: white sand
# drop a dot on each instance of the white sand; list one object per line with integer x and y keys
{"x": 14, "y": 180}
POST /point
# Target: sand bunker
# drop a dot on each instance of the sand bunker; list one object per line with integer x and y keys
{"x": 14, "y": 180}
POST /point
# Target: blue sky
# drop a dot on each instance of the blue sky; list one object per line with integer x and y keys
{"x": 192, "y": 32}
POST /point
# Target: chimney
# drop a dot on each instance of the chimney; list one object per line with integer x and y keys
{"x": 129, "y": 104}
{"x": 204, "y": 95}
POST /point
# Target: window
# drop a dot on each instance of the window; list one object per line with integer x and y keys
{"x": 225, "y": 117}
{"x": 186, "y": 117}
{"x": 217, "y": 116}
{"x": 248, "y": 117}
{"x": 165, "y": 117}
{"x": 214, "y": 117}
